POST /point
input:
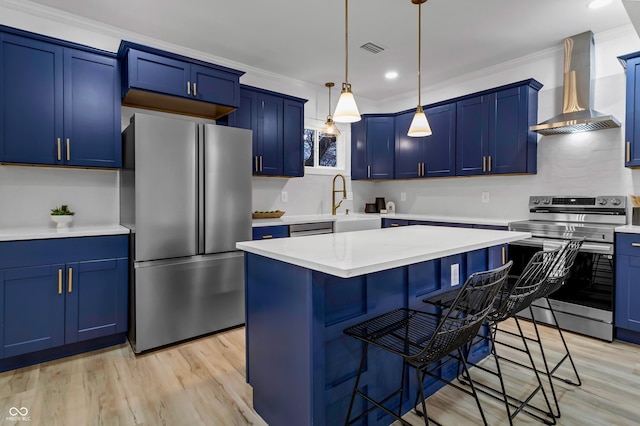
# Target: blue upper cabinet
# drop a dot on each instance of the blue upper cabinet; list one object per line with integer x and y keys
{"x": 632, "y": 122}
{"x": 493, "y": 135}
{"x": 430, "y": 156}
{"x": 159, "y": 80}
{"x": 293, "y": 138}
{"x": 277, "y": 122}
{"x": 59, "y": 103}
{"x": 372, "y": 147}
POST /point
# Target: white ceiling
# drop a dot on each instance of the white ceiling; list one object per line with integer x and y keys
{"x": 304, "y": 39}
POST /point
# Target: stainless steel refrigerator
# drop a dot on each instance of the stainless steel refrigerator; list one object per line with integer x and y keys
{"x": 185, "y": 191}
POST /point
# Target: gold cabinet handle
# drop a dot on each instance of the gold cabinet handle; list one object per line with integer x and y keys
{"x": 419, "y": 170}
{"x": 256, "y": 163}
{"x": 195, "y": 92}
{"x": 267, "y": 237}
{"x": 489, "y": 163}
{"x": 368, "y": 171}
{"x": 628, "y": 152}
{"x": 70, "y": 287}
{"x": 59, "y": 152}
{"x": 68, "y": 150}
{"x": 189, "y": 88}
{"x": 484, "y": 163}
{"x": 393, "y": 225}
{"x": 59, "y": 281}
{"x": 422, "y": 169}
{"x": 635, "y": 244}
{"x": 504, "y": 255}
{"x": 261, "y": 163}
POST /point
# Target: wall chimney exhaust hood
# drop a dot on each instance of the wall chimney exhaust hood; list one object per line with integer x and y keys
{"x": 578, "y": 114}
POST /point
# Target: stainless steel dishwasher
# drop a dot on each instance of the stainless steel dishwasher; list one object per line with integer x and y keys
{"x": 304, "y": 229}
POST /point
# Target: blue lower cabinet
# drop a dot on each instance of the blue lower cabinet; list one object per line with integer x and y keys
{"x": 268, "y": 232}
{"x": 627, "y": 287}
{"x": 51, "y": 308}
{"x": 32, "y": 303}
{"x": 393, "y": 223}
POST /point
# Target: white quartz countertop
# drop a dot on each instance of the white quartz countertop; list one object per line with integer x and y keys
{"x": 293, "y": 219}
{"x": 39, "y": 233}
{"x": 629, "y": 229}
{"x": 351, "y": 254}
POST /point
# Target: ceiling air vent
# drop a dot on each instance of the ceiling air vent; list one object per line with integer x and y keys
{"x": 372, "y": 47}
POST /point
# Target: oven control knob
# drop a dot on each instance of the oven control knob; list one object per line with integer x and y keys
{"x": 602, "y": 201}
{"x": 615, "y": 201}
{"x": 546, "y": 201}
{"x": 536, "y": 201}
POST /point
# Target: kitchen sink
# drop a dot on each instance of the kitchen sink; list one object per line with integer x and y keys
{"x": 354, "y": 222}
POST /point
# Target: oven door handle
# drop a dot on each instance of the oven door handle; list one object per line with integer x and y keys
{"x": 587, "y": 247}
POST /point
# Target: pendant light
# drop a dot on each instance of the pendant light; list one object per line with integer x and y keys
{"x": 329, "y": 126}
{"x": 346, "y": 110}
{"x": 419, "y": 125}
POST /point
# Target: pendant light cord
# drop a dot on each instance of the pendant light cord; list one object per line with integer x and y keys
{"x": 419, "y": 51}
{"x": 346, "y": 41}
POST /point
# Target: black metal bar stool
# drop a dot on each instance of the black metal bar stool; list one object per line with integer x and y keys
{"x": 559, "y": 274}
{"x": 516, "y": 295}
{"x": 423, "y": 338}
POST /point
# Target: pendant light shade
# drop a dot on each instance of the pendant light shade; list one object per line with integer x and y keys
{"x": 329, "y": 126}
{"x": 346, "y": 110}
{"x": 419, "y": 125}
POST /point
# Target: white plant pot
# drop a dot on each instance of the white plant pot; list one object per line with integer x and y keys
{"x": 62, "y": 221}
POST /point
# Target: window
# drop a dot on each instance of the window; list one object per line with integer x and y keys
{"x": 323, "y": 154}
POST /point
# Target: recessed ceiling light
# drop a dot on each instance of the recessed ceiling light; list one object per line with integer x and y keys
{"x": 595, "y": 4}
{"x": 390, "y": 75}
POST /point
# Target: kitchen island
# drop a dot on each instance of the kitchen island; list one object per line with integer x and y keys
{"x": 302, "y": 292}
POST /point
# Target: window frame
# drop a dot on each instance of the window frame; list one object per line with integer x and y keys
{"x": 342, "y": 151}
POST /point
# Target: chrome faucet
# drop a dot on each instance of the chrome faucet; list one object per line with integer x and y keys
{"x": 335, "y": 206}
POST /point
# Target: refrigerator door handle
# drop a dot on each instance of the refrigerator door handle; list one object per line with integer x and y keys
{"x": 201, "y": 190}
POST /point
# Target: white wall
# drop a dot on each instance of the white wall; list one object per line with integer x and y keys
{"x": 582, "y": 164}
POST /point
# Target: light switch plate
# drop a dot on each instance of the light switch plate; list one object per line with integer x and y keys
{"x": 403, "y": 196}
{"x": 284, "y": 196}
{"x": 485, "y": 197}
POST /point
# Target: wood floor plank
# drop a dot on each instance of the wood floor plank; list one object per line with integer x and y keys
{"x": 202, "y": 382}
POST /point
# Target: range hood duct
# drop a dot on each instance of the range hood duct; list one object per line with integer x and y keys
{"x": 578, "y": 114}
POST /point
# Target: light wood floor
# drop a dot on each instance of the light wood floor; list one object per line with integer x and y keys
{"x": 202, "y": 382}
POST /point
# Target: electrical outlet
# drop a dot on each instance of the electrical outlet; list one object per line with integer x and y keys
{"x": 403, "y": 196}
{"x": 349, "y": 195}
{"x": 455, "y": 274}
{"x": 284, "y": 196}
{"x": 485, "y": 197}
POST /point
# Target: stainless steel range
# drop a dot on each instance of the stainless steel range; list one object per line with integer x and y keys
{"x": 584, "y": 304}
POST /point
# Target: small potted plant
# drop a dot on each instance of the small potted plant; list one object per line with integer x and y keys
{"x": 62, "y": 216}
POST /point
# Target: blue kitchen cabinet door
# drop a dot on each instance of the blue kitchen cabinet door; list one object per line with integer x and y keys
{"x": 214, "y": 86}
{"x": 293, "y": 138}
{"x": 32, "y": 301}
{"x": 270, "y": 133}
{"x": 632, "y": 118}
{"x": 380, "y": 147}
{"x": 512, "y": 146}
{"x": 472, "y": 135}
{"x": 96, "y": 299}
{"x": 394, "y": 223}
{"x": 159, "y": 74}
{"x": 372, "y": 148}
{"x": 429, "y": 156}
{"x": 627, "y": 294}
{"x": 91, "y": 110}
{"x": 31, "y": 101}
{"x": 408, "y": 151}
